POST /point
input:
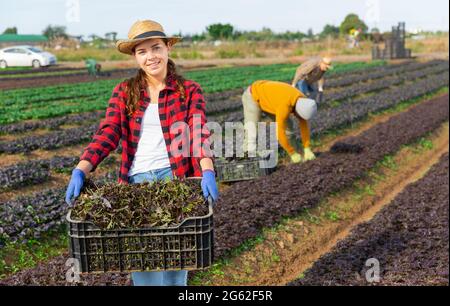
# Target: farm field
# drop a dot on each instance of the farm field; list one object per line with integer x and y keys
{"x": 369, "y": 114}
{"x": 410, "y": 236}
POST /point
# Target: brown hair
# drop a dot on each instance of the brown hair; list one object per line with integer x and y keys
{"x": 136, "y": 83}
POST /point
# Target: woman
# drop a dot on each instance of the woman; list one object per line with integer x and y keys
{"x": 140, "y": 114}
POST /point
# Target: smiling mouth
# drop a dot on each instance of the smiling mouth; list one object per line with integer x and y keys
{"x": 154, "y": 64}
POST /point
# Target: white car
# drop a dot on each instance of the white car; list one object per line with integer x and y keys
{"x": 20, "y": 56}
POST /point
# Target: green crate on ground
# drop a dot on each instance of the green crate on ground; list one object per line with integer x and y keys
{"x": 242, "y": 169}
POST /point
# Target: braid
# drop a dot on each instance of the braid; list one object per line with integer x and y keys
{"x": 133, "y": 91}
{"x": 172, "y": 72}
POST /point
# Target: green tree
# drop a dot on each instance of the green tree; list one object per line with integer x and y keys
{"x": 12, "y": 30}
{"x": 352, "y": 21}
{"x": 111, "y": 36}
{"x": 53, "y": 32}
{"x": 220, "y": 31}
{"x": 198, "y": 37}
{"x": 329, "y": 30}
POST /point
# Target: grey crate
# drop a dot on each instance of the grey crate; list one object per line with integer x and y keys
{"x": 241, "y": 170}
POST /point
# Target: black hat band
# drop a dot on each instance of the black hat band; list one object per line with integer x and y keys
{"x": 150, "y": 34}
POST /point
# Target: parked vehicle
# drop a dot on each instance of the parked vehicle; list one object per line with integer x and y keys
{"x": 23, "y": 56}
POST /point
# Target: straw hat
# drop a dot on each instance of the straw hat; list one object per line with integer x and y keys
{"x": 140, "y": 31}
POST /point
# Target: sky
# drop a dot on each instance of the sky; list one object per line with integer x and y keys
{"x": 86, "y": 17}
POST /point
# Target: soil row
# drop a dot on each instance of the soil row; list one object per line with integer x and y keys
{"x": 265, "y": 201}
{"x": 39, "y": 81}
{"x": 246, "y": 208}
{"x": 408, "y": 240}
{"x": 29, "y": 82}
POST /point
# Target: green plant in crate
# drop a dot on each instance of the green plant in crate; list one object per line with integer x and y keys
{"x": 146, "y": 214}
{"x": 159, "y": 203}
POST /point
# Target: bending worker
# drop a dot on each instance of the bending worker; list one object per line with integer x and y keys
{"x": 278, "y": 99}
{"x": 310, "y": 72}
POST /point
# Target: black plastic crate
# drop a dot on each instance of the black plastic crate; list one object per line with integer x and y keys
{"x": 188, "y": 246}
{"x": 241, "y": 170}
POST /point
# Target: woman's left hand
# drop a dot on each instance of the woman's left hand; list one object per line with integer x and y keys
{"x": 209, "y": 186}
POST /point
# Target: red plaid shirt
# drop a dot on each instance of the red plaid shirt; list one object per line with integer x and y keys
{"x": 118, "y": 126}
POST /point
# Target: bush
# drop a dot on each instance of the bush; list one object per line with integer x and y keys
{"x": 297, "y": 52}
{"x": 194, "y": 54}
{"x": 229, "y": 53}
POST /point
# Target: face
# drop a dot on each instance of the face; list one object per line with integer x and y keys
{"x": 323, "y": 66}
{"x": 152, "y": 56}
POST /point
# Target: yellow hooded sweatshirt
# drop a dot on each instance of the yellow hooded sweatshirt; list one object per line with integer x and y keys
{"x": 279, "y": 99}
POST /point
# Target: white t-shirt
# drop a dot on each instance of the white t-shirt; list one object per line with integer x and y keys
{"x": 151, "y": 151}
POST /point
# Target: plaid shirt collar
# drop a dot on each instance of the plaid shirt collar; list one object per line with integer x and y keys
{"x": 171, "y": 84}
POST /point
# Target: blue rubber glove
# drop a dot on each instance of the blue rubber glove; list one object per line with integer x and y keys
{"x": 75, "y": 184}
{"x": 209, "y": 186}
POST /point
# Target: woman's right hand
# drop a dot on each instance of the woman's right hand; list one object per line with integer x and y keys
{"x": 75, "y": 185}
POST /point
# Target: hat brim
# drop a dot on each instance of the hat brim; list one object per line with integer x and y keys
{"x": 126, "y": 45}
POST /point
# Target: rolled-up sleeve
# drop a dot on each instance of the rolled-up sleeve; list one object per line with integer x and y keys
{"x": 199, "y": 133}
{"x": 107, "y": 137}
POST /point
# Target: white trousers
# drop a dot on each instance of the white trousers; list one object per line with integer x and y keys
{"x": 252, "y": 115}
